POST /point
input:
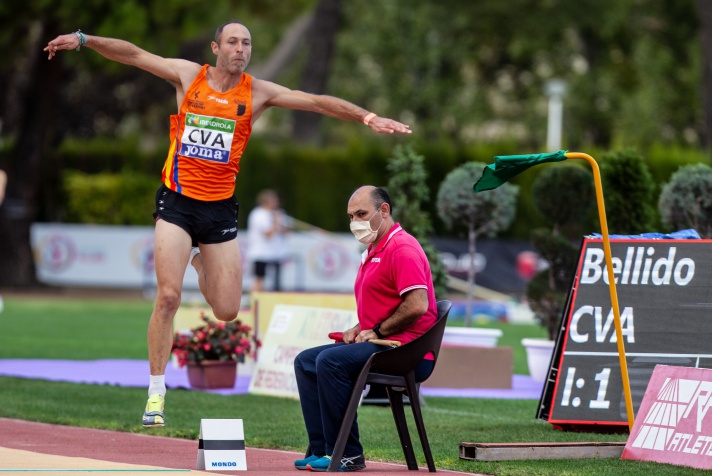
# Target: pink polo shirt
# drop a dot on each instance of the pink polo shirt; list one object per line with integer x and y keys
{"x": 396, "y": 266}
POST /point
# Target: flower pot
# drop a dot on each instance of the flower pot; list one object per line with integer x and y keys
{"x": 212, "y": 374}
{"x": 538, "y": 357}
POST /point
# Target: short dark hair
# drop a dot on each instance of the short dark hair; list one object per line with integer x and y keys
{"x": 379, "y": 196}
{"x": 218, "y": 32}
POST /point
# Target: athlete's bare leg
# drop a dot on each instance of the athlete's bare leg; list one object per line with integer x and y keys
{"x": 219, "y": 268}
{"x": 171, "y": 251}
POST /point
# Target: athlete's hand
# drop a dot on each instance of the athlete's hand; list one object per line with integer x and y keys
{"x": 62, "y": 42}
{"x": 383, "y": 125}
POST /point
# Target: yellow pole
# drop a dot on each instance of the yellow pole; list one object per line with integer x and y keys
{"x": 611, "y": 281}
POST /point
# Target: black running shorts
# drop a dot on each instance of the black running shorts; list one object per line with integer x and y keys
{"x": 205, "y": 222}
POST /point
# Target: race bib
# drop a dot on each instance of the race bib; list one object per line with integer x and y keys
{"x": 207, "y": 138}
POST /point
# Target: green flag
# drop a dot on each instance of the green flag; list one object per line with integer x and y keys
{"x": 507, "y": 166}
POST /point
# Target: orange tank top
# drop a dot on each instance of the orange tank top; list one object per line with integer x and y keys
{"x": 208, "y": 137}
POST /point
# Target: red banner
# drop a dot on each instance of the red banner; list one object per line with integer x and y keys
{"x": 672, "y": 425}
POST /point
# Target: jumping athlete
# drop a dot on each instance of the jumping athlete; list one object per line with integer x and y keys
{"x": 196, "y": 211}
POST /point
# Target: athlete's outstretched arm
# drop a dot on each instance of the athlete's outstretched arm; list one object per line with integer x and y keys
{"x": 266, "y": 94}
{"x": 124, "y": 52}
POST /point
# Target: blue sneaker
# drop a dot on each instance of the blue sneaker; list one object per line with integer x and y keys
{"x": 302, "y": 463}
{"x": 348, "y": 463}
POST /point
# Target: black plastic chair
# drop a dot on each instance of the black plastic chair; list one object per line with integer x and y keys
{"x": 395, "y": 369}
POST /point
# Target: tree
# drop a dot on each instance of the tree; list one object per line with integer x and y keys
{"x": 564, "y": 195}
{"x": 18, "y": 212}
{"x": 320, "y": 43}
{"x": 470, "y": 76}
{"x": 409, "y": 192}
{"x": 686, "y": 200}
{"x": 629, "y": 192}
{"x": 482, "y": 213}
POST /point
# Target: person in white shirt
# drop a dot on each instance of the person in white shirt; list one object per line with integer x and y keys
{"x": 267, "y": 226}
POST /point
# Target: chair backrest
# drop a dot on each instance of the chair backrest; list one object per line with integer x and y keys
{"x": 402, "y": 360}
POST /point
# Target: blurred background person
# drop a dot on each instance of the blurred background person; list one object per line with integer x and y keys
{"x": 267, "y": 226}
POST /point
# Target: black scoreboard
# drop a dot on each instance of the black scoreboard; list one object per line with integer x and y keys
{"x": 665, "y": 299}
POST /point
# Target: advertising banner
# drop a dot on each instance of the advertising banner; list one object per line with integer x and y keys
{"x": 671, "y": 425}
{"x": 291, "y": 330}
{"x": 122, "y": 257}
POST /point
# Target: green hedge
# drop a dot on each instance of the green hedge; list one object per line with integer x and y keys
{"x": 125, "y": 198}
{"x": 315, "y": 182}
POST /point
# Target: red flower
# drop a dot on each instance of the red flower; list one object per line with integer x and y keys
{"x": 214, "y": 341}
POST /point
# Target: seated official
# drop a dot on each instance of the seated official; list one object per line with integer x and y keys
{"x": 395, "y": 299}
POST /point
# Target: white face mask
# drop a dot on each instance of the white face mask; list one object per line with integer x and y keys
{"x": 363, "y": 232}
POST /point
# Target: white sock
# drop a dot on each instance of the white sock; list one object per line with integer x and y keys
{"x": 195, "y": 251}
{"x": 157, "y": 385}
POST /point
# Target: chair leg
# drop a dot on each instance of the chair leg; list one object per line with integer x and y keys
{"x": 395, "y": 397}
{"x": 348, "y": 420}
{"x": 418, "y": 416}
{"x": 421, "y": 398}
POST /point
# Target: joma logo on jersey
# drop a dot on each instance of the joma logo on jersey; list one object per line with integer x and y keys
{"x": 206, "y": 153}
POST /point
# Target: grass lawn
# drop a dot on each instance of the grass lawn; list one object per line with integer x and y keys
{"x": 61, "y": 328}
{"x": 116, "y": 329}
{"x": 95, "y": 329}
